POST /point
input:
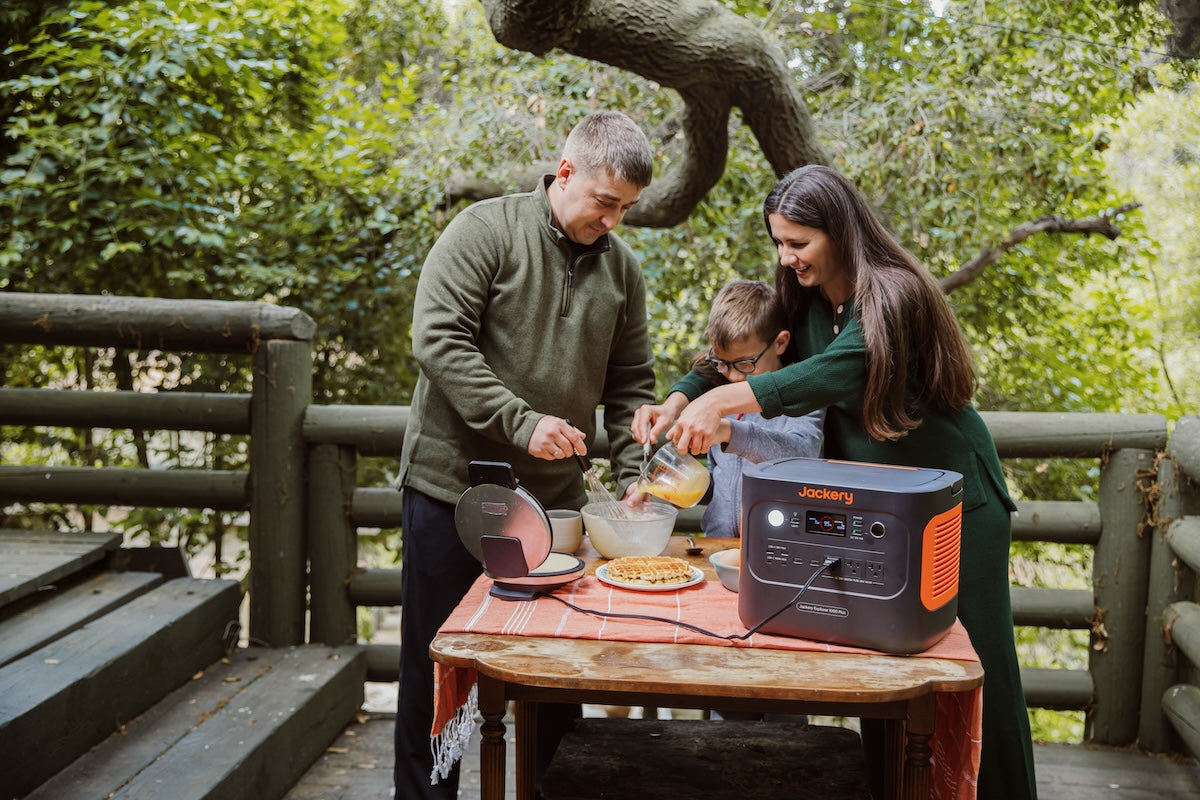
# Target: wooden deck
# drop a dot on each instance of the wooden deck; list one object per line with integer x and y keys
{"x": 359, "y": 767}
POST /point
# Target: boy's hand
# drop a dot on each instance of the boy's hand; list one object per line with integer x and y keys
{"x": 650, "y": 421}
{"x": 724, "y": 432}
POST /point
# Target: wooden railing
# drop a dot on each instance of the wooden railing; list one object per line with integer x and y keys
{"x": 1117, "y": 526}
{"x": 278, "y": 343}
{"x": 306, "y": 506}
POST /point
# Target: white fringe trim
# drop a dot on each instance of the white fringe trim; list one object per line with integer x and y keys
{"x": 449, "y": 745}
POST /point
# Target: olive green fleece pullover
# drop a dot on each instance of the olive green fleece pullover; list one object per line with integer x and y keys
{"x": 510, "y": 324}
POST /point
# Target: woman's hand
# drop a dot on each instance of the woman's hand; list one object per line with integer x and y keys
{"x": 649, "y": 421}
{"x": 699, "y": 425}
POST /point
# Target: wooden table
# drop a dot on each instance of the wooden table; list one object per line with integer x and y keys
{"x": 526, "y": 669}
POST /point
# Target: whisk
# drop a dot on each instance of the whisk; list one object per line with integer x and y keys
{"x": 606, "y": 505}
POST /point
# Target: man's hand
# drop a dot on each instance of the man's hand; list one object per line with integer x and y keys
{"x": 554, "y": 438}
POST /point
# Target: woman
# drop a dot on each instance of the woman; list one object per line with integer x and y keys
{"x": 879, "y": 347}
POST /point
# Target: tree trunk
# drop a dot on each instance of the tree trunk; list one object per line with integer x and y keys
{"x": 1184, "y": 41}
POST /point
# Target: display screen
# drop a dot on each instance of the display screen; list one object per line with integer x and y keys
{"x": 825, "y": 522}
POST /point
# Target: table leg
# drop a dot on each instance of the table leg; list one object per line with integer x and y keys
{"x": 922, "y": 713}
{"x": 893, "y": 758}
{"x": 526, "y": 718}
{"x": 491, "y": 744}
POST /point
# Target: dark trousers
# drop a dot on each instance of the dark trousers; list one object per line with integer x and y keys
{"x": 1006, "y": 761}
{"x": 436, "y": 572}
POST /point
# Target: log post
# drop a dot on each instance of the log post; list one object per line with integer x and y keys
{"x": 1171, "y": 580}
{"x": 1160, "y": 666}
{"x": 1119, "y": 581}
{"x": 282, "y": 388}
{"x": 332, "y": 544}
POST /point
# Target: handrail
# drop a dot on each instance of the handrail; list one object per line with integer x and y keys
{"x": 148, "y": 323}
{"x": 125, "y": 486}
{"x": 1051, "y": 434}
{"x": 152, "y": 411}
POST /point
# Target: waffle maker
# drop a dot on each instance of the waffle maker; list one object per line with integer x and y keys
{"x": 508, "y": 531}
{"x": 896, "y": 530}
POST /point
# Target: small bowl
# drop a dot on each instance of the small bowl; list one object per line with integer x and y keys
{"x": 727, "y": 563}
{"x": 646, "y": 533}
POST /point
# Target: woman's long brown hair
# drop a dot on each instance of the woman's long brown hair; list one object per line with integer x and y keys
{"x": 916, "y": 354}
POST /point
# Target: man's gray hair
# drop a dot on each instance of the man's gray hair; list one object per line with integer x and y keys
{"x": 612, "y": 142}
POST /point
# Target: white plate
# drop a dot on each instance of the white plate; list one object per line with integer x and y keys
{"x": 697, "y": 577}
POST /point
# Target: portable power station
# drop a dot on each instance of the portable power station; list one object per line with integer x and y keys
{"x": 896, "y": 530}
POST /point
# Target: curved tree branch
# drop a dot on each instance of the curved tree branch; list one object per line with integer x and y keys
{"x": 1102, "y": 225}
{"x": 471, "y": 187}
{"x": 716, "y": 61}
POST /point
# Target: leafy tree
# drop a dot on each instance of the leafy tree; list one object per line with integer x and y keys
{"x": 221, "y": 150}
{"x": 1155, "y": 156}
{"x": 243, "y": 149}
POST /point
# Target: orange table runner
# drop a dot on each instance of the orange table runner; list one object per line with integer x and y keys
{"x": 955, "y": 742}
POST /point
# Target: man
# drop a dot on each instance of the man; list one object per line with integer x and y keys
{"x": 529, "y": 312}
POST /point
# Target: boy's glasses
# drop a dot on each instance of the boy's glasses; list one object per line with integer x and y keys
{"x": 746, "y": 366}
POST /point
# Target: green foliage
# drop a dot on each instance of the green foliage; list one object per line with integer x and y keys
{"x": 242, "y": 149}
{"x": 263, "y": 150}
{"x": 1155, "y": 157}
{"x": 220, "y": 150}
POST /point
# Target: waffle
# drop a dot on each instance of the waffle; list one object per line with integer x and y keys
{"x": 649, "y": 570}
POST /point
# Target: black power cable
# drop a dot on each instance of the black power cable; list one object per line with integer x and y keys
{"x": 830, "y": 563}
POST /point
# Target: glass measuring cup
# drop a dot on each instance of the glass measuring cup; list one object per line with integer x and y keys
{"x": 676, "y": 477}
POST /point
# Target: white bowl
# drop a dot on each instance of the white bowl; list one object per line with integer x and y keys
{"x": 727, "y": 563}
{"x": 645, "y": 533}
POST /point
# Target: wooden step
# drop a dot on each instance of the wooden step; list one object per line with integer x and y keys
{"x": 61, "y": 611}
{"x": 30, "y": 560}
{"x": 67, "y": 696}
{"x": 247, "y": 729}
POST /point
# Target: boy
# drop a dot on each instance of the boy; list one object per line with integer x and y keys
{"x": 747, "y": 334}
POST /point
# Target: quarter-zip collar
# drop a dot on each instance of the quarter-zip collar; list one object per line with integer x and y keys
{"x": 573, "y": 251}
